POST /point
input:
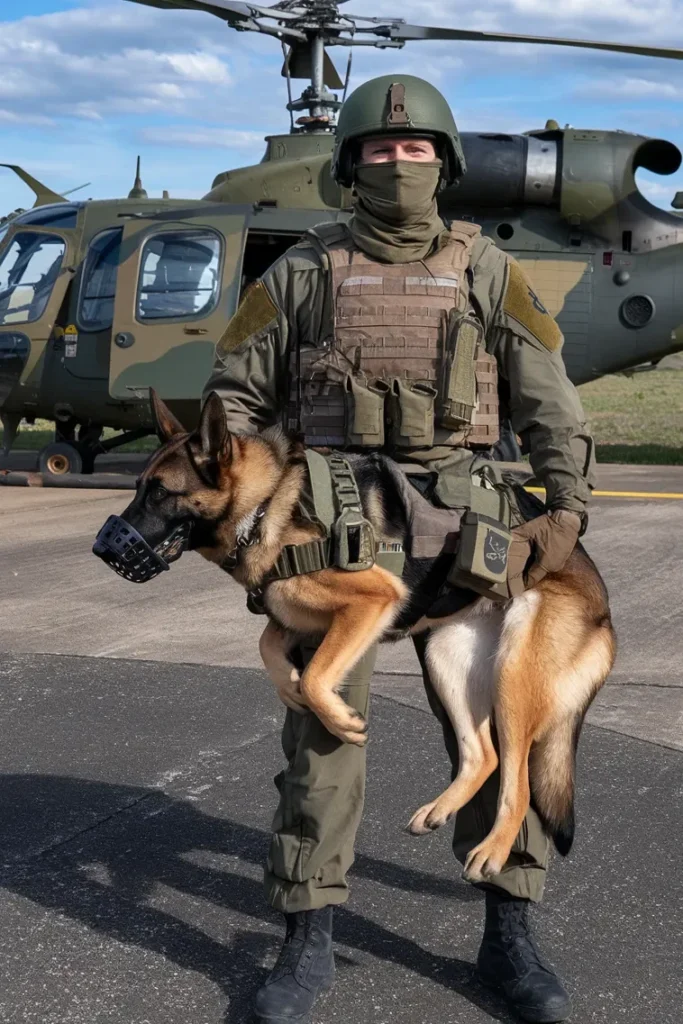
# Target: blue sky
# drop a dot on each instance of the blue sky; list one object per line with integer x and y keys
{"x": 88, "y": 84}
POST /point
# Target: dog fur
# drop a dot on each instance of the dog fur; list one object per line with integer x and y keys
{"x": 516, "y": 679}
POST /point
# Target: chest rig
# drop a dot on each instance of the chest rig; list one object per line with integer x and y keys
{"x": 405, "y": 366}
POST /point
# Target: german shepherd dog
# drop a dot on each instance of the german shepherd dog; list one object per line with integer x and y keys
{"x": 524, "y": 671}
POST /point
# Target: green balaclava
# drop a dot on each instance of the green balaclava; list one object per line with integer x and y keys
{"x": 395, "y": 218}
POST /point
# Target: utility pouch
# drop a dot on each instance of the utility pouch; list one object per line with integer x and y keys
{"x": 412, "y": 413}
{"x": 482, "y": 551}
{"x": 364, "y": 404}
{"x": 458, "y": 399}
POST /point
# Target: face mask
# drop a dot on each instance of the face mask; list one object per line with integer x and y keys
{"x": 399, "y": 192}
{"x": 396, "y": 219}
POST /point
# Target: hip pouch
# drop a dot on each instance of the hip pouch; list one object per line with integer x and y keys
{"x": 412, "y": 406}
{"x": 458, "y": 399}
{"x": 482, "y": 551}
{"x": 364, "y": 408}
{"x": 481, "y": 560}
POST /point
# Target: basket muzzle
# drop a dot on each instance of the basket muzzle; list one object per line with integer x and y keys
{"x": 127, "y": 552}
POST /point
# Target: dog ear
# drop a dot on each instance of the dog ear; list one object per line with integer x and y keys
{"x": 165, "y": 423}
{"x": 212, "y": 432}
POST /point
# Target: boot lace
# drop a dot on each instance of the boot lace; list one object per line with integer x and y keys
{"x": 293, "y": 951}
{"x": 517, "y": 938}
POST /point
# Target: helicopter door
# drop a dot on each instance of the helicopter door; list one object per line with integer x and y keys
{"x": 177, "y": 287}
{"x": 36, "y": 268}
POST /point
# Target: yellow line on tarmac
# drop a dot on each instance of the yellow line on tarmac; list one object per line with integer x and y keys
{"x": 619, "y": 494}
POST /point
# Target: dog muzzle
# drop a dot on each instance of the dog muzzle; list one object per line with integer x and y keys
{"x": 127, "y": 552}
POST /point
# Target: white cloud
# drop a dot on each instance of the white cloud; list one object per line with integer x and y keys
{"x": 37, "y": 120}
{"x": 89, "y": 62}
{"x": 223, "y": 137}
{"x": 660, "y": 192}
{"x": 628, "y": 89}
{"x": 621, "y": 12}
{"x": 198, "y": 67}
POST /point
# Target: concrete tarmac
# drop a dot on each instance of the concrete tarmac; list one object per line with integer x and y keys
{"x": 140, "y": 741}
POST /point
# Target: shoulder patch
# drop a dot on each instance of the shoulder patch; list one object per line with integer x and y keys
{"x": 255, "y": 312}
{"x": 329, "y": 232}
{"x": 522, "y": 303}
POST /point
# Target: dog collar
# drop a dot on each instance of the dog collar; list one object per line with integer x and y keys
{"x": 248, "y": 534}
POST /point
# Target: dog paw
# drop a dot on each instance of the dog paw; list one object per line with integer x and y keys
{"x": 291, "y": 697}
{"x": 419, "y": 824}
{"x": 429, "y": 818}
{"x": 483, "y": 863}
{"x": 347, "y": 725}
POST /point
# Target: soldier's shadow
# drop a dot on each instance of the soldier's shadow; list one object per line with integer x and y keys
{"x": 119, "y": 873}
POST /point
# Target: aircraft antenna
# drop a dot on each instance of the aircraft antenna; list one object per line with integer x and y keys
{"x": 137, "y": 191}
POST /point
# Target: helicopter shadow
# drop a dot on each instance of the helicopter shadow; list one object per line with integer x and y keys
{"x": 119, "y": 878}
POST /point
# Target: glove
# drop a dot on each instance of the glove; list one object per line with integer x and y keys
{"x": 541, "y": 546}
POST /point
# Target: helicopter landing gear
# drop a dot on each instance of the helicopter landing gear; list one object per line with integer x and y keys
{"x": 64, "y": 457}
{"x": 89, "y": 436}
{"x": 71, "y": 456}
{"x": 67, "y": 455}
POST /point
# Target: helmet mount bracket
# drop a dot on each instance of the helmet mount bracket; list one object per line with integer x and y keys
{"x": 398, "y": 115}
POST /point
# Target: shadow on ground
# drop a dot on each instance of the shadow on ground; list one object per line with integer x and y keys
{"x": 106, "y": 876}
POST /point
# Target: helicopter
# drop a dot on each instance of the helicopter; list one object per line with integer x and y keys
{"x": 102, "y": 300}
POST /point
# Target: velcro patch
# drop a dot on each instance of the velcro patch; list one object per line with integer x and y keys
{"x": 522, "y": 303}
{"x": 256, "y": 311}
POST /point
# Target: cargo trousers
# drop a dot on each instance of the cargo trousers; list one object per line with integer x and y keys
{"x": 321, "y": 796}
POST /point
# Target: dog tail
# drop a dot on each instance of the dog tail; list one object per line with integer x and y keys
{"x": 552, "y": 770}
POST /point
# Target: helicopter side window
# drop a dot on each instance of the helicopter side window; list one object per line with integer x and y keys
{"x": 29, "y": 268}
{"x": 62, "y": 215}
{"x": 96, "y": 305}
{"x": 179, "y": 275}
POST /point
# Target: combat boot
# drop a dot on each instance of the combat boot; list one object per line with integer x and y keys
{"x": 304, "y": 969}
{"x": 510, "y": 963}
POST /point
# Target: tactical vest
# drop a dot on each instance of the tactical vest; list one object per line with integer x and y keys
{"x": 406, "y": 365}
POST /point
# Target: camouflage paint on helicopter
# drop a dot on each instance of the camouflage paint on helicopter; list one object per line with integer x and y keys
{"x": 149, "y": 284}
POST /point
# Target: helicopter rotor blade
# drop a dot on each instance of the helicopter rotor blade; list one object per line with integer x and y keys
{"x": 232, "y": 11}
{"x": 403, "y": 33}
{"x": 70, "y": 191}
{"x": 244, "y": 15}
{"x": 238, "y": 15}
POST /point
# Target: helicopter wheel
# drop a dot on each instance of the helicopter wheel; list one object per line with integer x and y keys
{"x": 61, "y": 458}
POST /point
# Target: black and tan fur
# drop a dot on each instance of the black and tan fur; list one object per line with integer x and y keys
{"x": 524, "y": 672}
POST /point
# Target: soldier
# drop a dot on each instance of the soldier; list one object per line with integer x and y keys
{"x": 351, "y": 315}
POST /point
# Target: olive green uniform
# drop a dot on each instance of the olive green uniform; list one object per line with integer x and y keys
{"x": 322, "y": 788}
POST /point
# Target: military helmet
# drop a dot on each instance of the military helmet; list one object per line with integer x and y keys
{"x": 397, "y": 104}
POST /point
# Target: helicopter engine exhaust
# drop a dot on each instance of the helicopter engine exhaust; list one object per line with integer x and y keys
{"x": 539, "y": 170}
{"x": 508, "y": 170}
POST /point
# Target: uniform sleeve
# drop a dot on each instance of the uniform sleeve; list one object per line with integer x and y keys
{"x": 251, "y": 367}
{"x": 250, "y": 360}
{"x": 545, "y": 409}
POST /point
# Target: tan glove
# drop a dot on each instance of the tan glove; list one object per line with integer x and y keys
{"x": 541, "y": 546}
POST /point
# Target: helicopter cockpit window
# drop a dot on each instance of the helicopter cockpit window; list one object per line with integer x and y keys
{"x": 96, "y": 306}
{"x": 29, "y": 268}
{"x": 179, "y": 275}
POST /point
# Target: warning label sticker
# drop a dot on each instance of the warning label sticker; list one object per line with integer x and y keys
{"x": 70, "y": 341}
